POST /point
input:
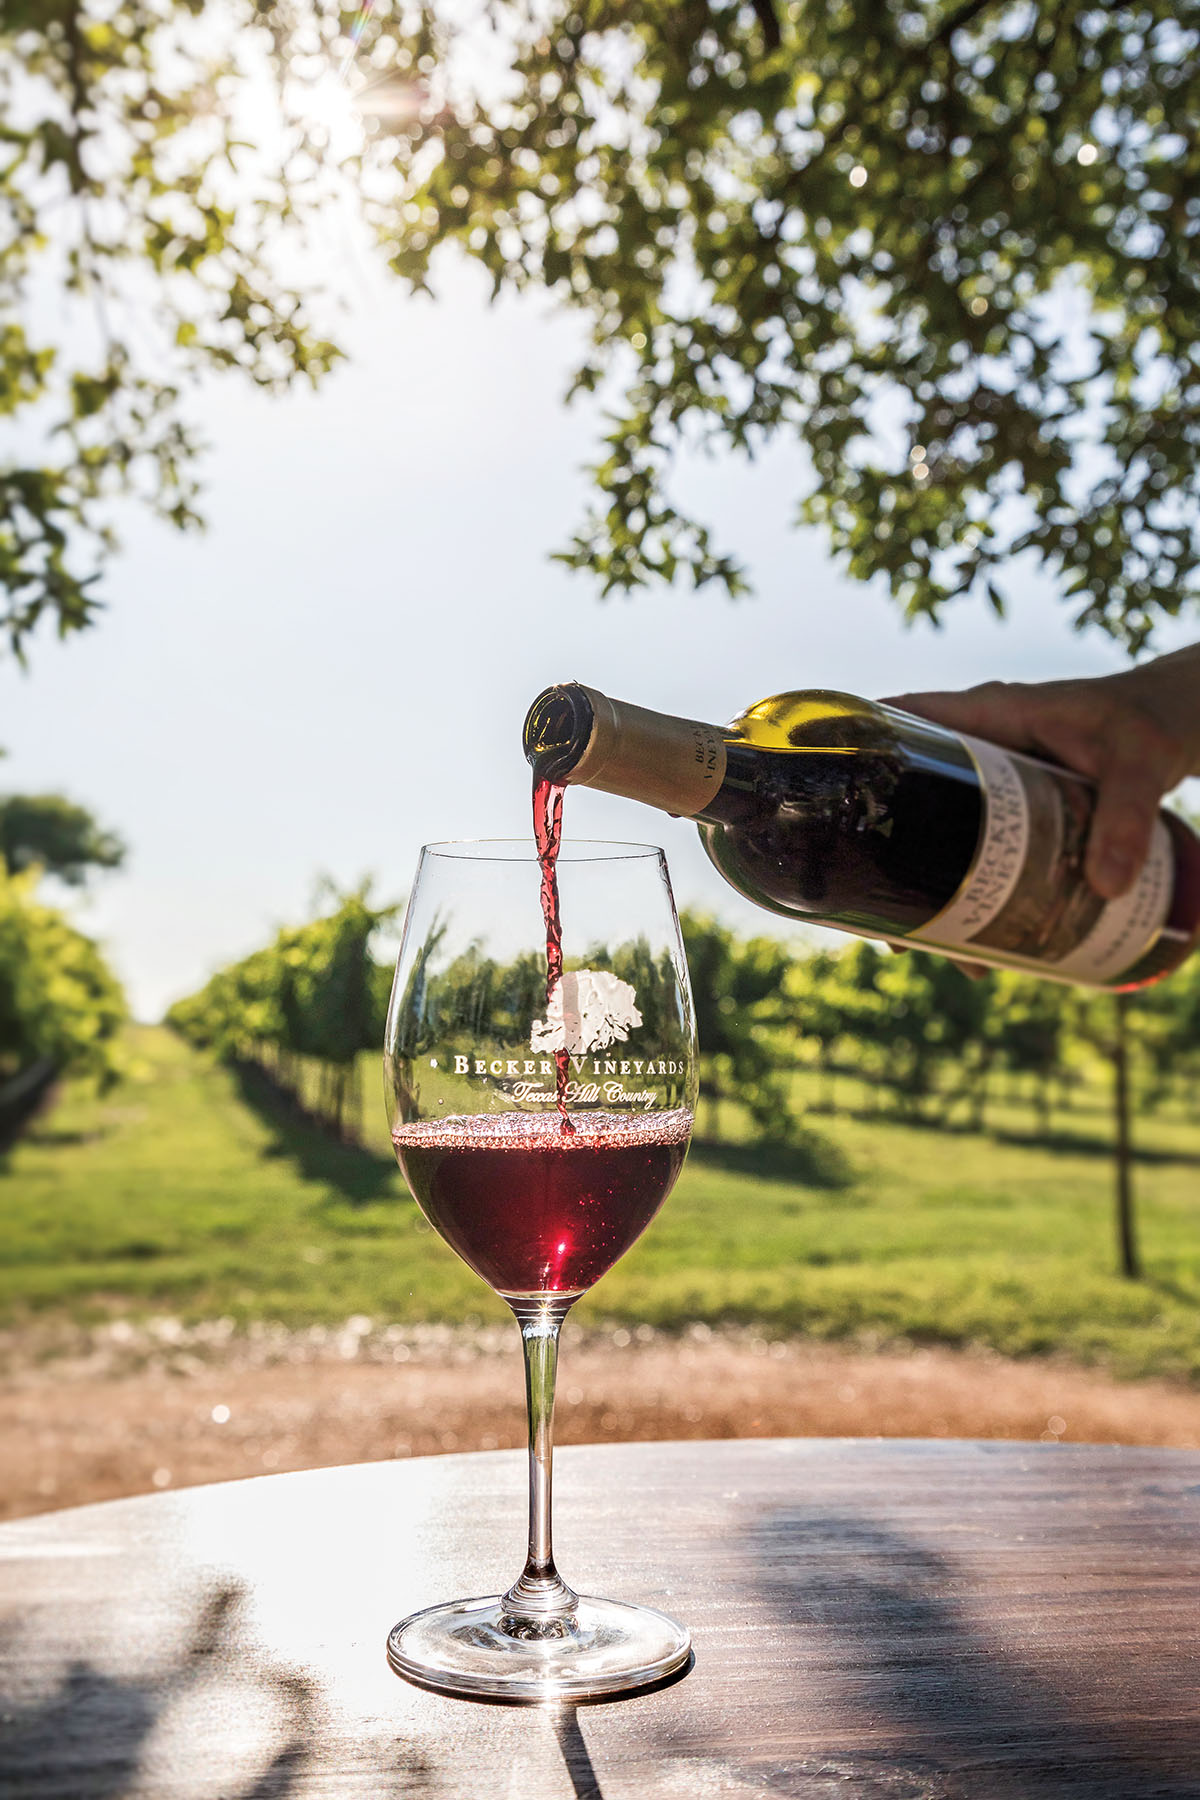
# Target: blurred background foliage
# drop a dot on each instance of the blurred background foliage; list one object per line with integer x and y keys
{"x": 884, "y": 1146}
{"x": 61, "y": 1007}
{"x": 928, "y": 1043}
{"x": 302, "y": 1009}
{"x": 927, "y": 1037}
{"x": 946, "y": 248}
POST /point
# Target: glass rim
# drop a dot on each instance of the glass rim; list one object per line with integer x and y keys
{"x": 522, "y": 850}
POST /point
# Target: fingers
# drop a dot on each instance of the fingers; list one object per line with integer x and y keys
{"x": 1119, "y": 841}
{"x": 976, "y": 971}
{"x": 1138, "y": 766}
{"x": 1097, "y": 727}
{"x": 1003, "y": 712}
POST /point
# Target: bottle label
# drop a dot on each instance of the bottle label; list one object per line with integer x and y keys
{"x": 1026, "y": 899}
{"x": 1001, "y": 856}
{"x": 1127, "y": 927}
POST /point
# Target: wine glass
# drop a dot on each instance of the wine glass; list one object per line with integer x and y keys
{"x": 540, "y": 1134}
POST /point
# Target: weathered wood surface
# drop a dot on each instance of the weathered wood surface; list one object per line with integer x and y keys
{"x": 875, "y": 1621}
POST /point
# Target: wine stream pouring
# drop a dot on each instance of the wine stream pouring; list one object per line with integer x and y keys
{"x": 547, "y": 835}
{"x": 845, "y": 812}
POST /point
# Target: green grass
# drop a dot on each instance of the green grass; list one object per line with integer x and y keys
{"x": 187, "y": 1191}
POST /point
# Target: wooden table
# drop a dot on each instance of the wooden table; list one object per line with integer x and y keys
{"x": 872, "y": 1621}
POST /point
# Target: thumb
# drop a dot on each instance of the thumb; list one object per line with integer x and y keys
{"x": 1122, "y": 826}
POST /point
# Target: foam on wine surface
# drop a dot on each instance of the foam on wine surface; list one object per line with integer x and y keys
{"x": 536, "y": 1210}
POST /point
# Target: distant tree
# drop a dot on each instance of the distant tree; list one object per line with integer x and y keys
{"x": 947, "y": 247}
{"x": 52, "y": 833}
{"x": 60, "y": 1004}
{"x": 923, "y": 1029}
{"x": 1025, "y": 1030}
{"x": 810, "y": 1006}
{"x": 313, "y": 996}
{"x": 1168, "y": 1031}
{"x": 1155, "y": 1032}
{"x": 932, "y": 1033}
{"x": 1108, "y": 1025}
{"x": 909, "y": 1022}
{"x": 740, "y": 1057}
{"x": 332, "y": 1010}
{"x": 832, "y": 999}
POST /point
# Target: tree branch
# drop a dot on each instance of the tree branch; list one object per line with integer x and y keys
{"x": 956, "y": 20}
{"x": 768, "y": 19}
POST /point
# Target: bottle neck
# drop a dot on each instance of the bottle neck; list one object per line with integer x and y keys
{"x": 677, "y": 765}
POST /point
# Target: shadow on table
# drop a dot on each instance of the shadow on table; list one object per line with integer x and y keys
{"x": 576, "y": 1756}
{"x": 893, "y": 1659}
{"x": 88, "y": 1738}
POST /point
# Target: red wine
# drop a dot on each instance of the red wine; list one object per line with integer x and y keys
{"x": 845, "y": 812}
{"x": 532, "y": 1209}
{"x": 547, "y": 834}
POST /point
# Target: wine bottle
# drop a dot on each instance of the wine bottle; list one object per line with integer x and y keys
{"x": 844, "y": 812}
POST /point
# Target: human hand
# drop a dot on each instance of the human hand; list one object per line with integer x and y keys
{"x": 1136, "y": 735}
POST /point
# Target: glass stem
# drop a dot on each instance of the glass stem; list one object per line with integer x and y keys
{"x": 540, "y": 1598}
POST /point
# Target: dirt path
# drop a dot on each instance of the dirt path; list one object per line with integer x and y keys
{"x": 127, "y": 1411}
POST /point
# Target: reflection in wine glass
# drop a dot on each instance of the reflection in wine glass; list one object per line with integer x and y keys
{"x": 537, "y": 1204}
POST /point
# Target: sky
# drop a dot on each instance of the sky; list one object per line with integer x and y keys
{"x": 338, "y": 670}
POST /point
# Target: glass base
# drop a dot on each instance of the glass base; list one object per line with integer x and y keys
{"x": 604, "y": 1647}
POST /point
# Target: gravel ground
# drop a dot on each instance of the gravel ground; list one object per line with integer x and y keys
{"x": 128, "y": 1409}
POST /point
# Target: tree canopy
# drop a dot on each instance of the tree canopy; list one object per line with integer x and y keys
{"x": 948, "y": 246}
{"x": 134, "y": 182}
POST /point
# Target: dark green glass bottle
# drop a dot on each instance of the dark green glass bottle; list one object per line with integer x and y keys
{"x": 840, "y": 811}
